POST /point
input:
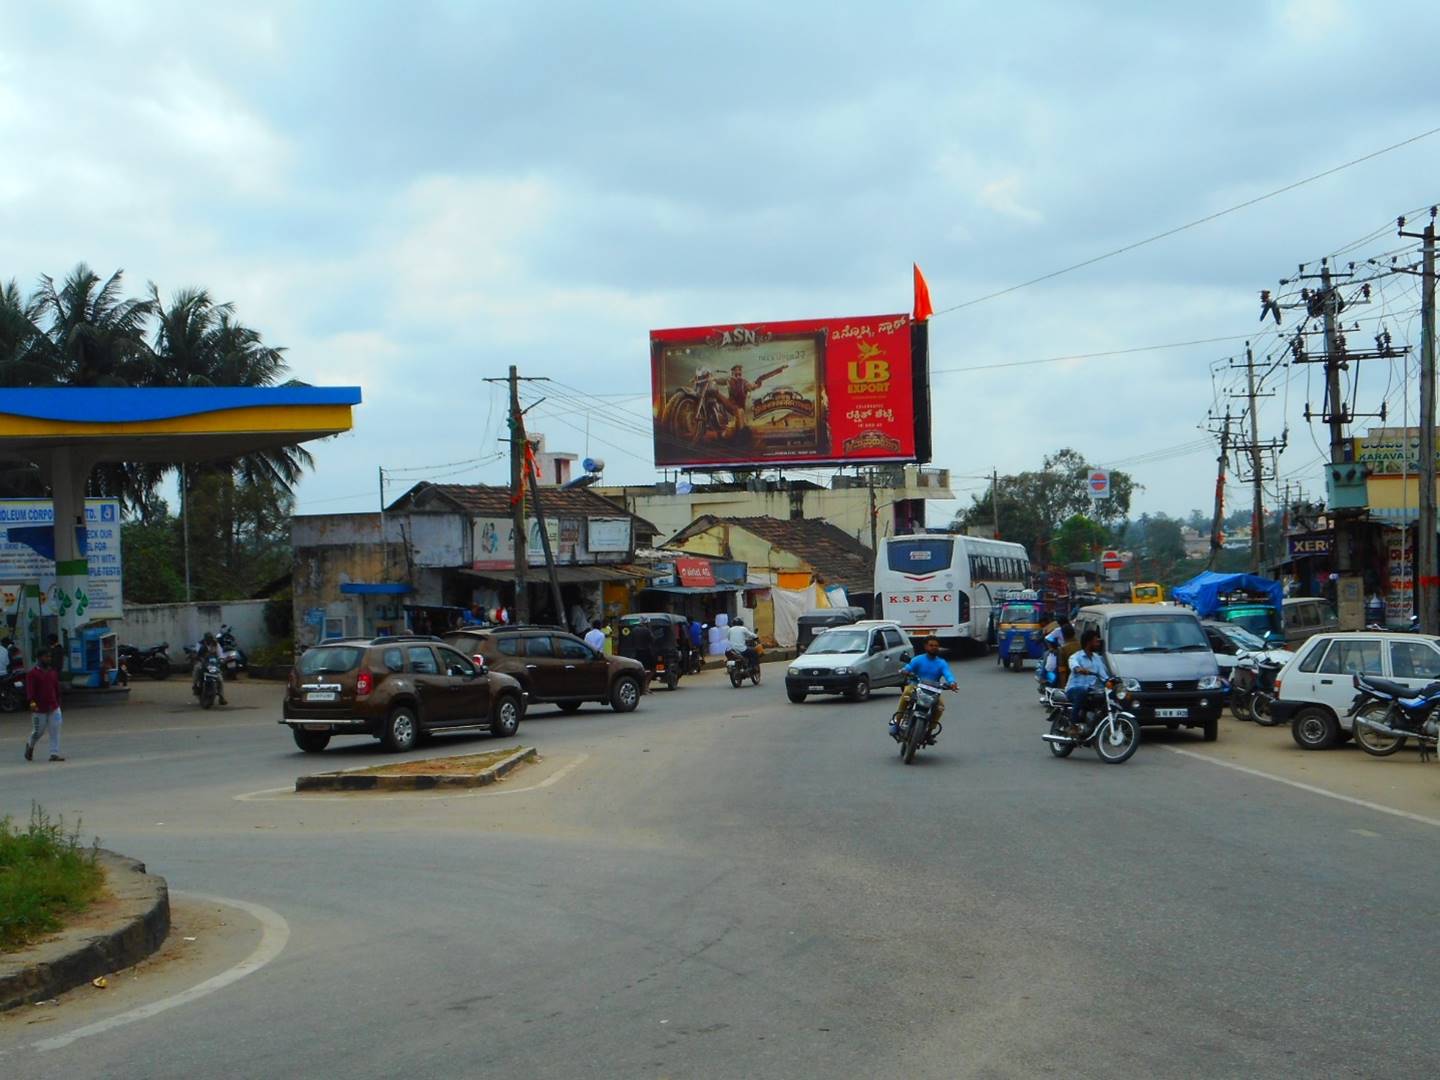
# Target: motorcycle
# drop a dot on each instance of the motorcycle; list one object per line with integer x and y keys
{"x": 918, "y": 726}
{"x": 1105, "y": 725}
{"x": 207, "y": 689}
{"x": 12, "y": 692}
{"x": 1263, "y": 672}
{"x": 739, "y": 668}
{"x": 1385, "y": 715}
{"x": 154, "y": 661}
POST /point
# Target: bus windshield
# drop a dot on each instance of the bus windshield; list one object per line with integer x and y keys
{"x": 920, "y": 556}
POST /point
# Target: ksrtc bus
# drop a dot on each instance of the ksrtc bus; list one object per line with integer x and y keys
{"x": 947, "y": 585}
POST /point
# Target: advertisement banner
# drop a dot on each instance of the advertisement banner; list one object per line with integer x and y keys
{"x": 27, "y": 553}
{"x": 1391, "y": 451}
{"x": 1400, "y": 577}
{"x": 495, "y": 543}
{"x": 609, "y": 535}
{"x": 826, "y": 390}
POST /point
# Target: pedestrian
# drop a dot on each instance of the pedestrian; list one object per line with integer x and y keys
{"x": 42, "y": 687}
{"x": 595, "y": 637}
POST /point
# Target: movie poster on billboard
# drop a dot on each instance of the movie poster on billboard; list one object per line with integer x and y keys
{"x": 784, "y": 393}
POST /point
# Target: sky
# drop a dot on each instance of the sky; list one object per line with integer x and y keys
{"x": 413, "y": 197}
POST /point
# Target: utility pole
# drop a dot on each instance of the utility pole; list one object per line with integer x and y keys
{"x": 518, "y": 480}
{"x": 1426, "y": 563}
{"x": 995, "y": 499}
{"x": 1217, "y": 523}
{"x": 874, "y": 523}
{"x": 1257, "y": 524}
{"x": 185, "y": 524}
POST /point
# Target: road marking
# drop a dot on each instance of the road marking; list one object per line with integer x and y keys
{"x": 1352, "y": 800}
{"x": 274, "y": 933}
{"x": 289, "y": 794}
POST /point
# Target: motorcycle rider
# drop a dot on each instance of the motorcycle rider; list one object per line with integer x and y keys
{"x": 1087, "y": 667}
{"x": 928, "y": 667}
{"x": 742, "y": 640}
{"x": 208, "y": 647}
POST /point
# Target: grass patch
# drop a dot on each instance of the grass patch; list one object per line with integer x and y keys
{"x": 45, "y": 875}
{"x": 444, "y": 766}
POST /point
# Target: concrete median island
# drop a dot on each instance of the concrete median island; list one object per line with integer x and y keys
{"x": 467, "y": 771}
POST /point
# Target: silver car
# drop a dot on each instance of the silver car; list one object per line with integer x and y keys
{"x": 851, "y": 660}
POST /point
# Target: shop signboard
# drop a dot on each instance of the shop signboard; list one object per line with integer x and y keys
{"x": 1399, "y": 577}
{"x": 1304, "y": 545}
{"x": 785, "y": 393}
{"x": 609, "y": 535}
{"x": 494, "y": 543}
{"x": 695, "y": 573}
{"x": 1391, "y": 451}
{"x": 27, "y": 553}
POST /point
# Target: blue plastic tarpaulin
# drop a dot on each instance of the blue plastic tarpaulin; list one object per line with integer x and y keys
{"x": 1202, "y": 592}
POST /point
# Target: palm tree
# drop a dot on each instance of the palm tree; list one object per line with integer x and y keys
{"x": 95, "y": 336}
{"x": 22, "y": 346}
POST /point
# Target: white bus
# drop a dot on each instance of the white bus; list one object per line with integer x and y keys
{"x": 946, "y": 584}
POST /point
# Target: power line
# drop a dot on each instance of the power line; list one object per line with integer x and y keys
{"x": 1189, "y": 225}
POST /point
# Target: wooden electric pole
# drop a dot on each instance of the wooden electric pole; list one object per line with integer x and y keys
{"x": 1217, "y": 522}
{"x": 1427, "y": 565}
{"x": 520, "y": 609}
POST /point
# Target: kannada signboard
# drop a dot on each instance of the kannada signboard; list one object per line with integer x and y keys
{"x": 27, "y": 553}
{"x": 1391, "y": 451}
{"x": 823, "y": 390}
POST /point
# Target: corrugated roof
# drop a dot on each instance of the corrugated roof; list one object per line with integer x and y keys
{"x": 831, "y": 552}
{"x": 484, "y": 500}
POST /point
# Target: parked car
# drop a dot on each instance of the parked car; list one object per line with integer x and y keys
{"x": 1315, "y": 689}
{"x": 1306, "y": 616}
{"x": 1228, "y": 640}
{"x": 553, "y": 666}
{"x": 396, "y": 689}
{"x": 1162, "y": 657}
{"x": 851, "y": 660}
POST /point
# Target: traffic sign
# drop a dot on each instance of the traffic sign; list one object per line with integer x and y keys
{"x": 1111, "y": 560}
{"x": 1099, "y": 483}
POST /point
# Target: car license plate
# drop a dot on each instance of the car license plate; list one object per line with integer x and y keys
{"x": 320, "y": 695}
{"x": 1172, "y": 714}
{"x": 1017, "y": 646}
{"x": 316, "y": 727}
{"x": 816, "y": 689}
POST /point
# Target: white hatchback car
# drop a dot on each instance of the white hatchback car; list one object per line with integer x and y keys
{"x": 1314, "y": 691}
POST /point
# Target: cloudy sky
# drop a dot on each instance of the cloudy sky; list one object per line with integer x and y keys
{"x": 412, "y": 197}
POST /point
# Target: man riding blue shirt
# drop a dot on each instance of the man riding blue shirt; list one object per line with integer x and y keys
{"x": 1087, "y": 668}
{"x": 928, "y": 667}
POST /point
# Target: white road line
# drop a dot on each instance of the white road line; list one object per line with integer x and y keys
{"x": 274, "y": 933}
{"x": 289, "y": 794}
{"x": 1377, "y": 807}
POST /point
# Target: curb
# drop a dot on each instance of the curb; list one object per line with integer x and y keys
{"x": 354, "y": 781}
{"x": 49, "y": 968}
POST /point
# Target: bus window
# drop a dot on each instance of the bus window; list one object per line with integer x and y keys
{"x": 923, "y": 556}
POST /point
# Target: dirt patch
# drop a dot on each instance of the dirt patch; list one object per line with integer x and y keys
{"x": 463, "y": 765}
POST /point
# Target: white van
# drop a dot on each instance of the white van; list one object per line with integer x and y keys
{"x": 1314, "y": 691}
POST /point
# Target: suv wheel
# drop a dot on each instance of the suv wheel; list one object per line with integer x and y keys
{"x": 1314, "y": 729}
{"x": 402, "y": 730}
{"x": 505, "y": 718}
{"x": 1211, "y": 729}
{"x": 625, "y": 694}
{"x": 312, "y": 742}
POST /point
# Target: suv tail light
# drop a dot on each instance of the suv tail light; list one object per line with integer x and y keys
{"x": 364, "y": 683}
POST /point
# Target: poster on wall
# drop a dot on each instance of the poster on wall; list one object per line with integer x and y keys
{"x": 1400, "y": 577}
{"x": 812, "y": 391}
{"x": 27, "y": 553}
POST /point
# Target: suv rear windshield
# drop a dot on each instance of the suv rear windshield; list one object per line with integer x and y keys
{"x": 920, "y": 556}
{"x": 1157, "y": 634}
{"x": 330, "y": 659}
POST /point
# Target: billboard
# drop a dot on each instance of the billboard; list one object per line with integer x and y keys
{"x": 789, "y": 393}
{"x": 27, "y": 553}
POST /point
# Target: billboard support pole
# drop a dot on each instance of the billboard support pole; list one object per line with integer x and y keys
{"x": 874, "y": 524}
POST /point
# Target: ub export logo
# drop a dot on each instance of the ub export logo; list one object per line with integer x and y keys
{"x": 870, "y": 372}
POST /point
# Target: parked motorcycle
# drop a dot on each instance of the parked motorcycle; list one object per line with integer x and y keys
{"x": 1386, "y": 714}
{"x": 153, "y": 661}
{"x": 207, "y": 689}
{"x": 1264, "y": 671}
{"x": 1105, "y": 725}
{"x": 231, "y": 655}
{"x": 917, "y": 726}
{"x": 12, "y": 692}
{"x": 739, "y": 668}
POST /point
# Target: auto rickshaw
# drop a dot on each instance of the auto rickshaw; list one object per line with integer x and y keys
{"x": 659, "y": 640}
{"x": 1147, "y": 592}
{"x": 1018, "y": 633}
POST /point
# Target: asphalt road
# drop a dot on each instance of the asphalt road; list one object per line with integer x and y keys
{"x": 726, "y": 885}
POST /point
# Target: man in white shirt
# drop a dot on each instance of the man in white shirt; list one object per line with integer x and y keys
{"x": 742, "y": 641}
{"x": 595, "y": 638}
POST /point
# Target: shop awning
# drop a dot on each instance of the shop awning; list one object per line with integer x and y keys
{"x": 378, "y": 588}
{"x": 694, "y": 590}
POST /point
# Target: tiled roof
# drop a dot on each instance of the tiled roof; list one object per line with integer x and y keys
{"x": 483, "y": 500}
{"x": 831, "y": 552}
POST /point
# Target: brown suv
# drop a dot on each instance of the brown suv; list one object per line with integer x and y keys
{"x": 553, "y": 666}
{"x": 395, "y": 689}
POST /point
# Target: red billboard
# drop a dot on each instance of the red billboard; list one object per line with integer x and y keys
{"x": 813, "y": 391}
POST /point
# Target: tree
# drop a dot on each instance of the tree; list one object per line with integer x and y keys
{"x": 1033, "y": 504}
{"x": 1078, "y": 539}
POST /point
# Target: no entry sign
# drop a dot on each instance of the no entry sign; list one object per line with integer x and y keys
{"x": 1099, "y": 483}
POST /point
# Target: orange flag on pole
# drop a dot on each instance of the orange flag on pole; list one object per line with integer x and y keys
{"x": 923, "y": 308}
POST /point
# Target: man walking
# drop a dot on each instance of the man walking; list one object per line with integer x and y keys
{"x": 42, "y": 687}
